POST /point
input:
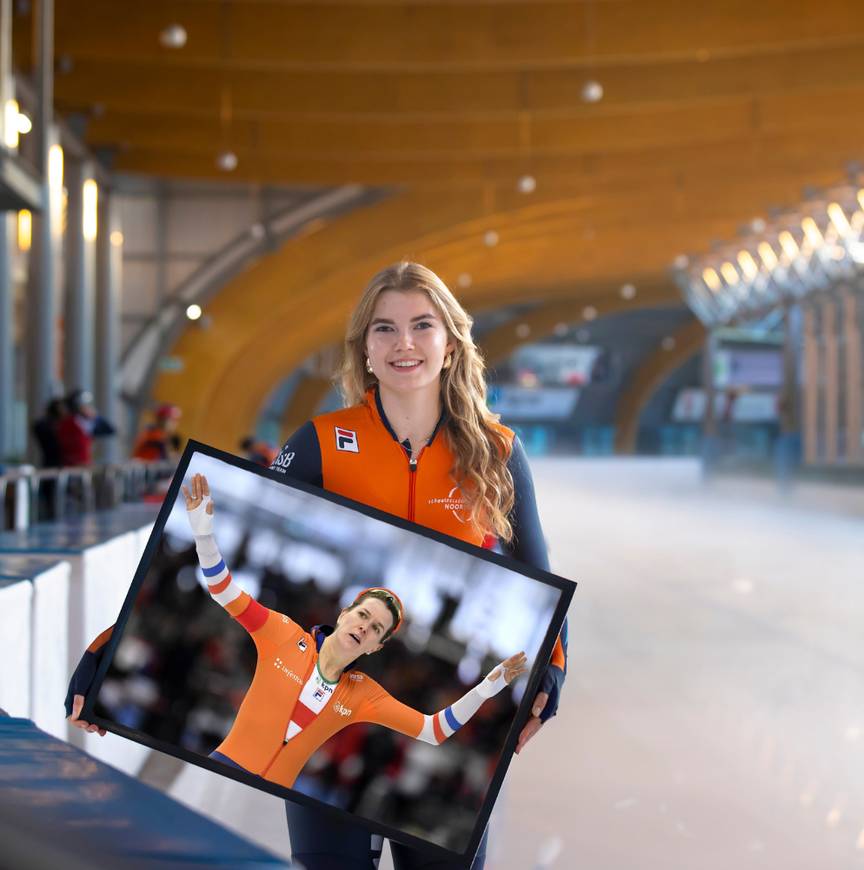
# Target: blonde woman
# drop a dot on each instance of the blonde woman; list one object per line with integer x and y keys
{"x": 415, "y": 440}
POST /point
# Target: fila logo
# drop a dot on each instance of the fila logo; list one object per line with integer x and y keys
{"x": 301, "y": 645}
{"x": 342, "y": 711}
{"x": 319, "y": 694}
{"x": 346, "y": 440}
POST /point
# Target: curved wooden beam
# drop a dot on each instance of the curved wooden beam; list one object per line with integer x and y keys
{"x": 303, "y": 404}
{"x": 649, "y": 375}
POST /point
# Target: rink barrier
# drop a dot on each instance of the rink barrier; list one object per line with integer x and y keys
{"x": 102, "y": 551}
{"x": 29, "y": 496}
{"x": 61, "y": 808}
{"x": 47, "y": 614}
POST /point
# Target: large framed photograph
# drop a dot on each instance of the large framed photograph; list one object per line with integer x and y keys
{"x": 328, "y": 653}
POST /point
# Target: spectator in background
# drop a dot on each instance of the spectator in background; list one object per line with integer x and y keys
{"x": 46, "y": 432}
{"x": 260, "y": 452}
{"x": 159, "y": 440}
{"x": 78, "y": 427}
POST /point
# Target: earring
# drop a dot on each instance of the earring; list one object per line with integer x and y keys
{"x": 369, "y": 365}
{"x": 448, "y": 361}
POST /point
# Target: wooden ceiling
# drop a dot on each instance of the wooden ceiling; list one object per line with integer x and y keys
{"x": 712, "y": 113}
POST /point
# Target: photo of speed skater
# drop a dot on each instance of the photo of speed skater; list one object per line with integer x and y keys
{"x": 364, "y": 665}
{"x": 333, "y": 693}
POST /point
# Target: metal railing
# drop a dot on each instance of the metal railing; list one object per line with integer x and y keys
{"x": 29, "y": 495}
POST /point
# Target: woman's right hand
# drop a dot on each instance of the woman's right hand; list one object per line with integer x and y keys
{"x": 77, "y": 706}
{"x": 199, "y": 505}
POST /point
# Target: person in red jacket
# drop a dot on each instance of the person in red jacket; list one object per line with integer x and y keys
{"x": 416, "y": 440}
{"x": 78, "y": 427}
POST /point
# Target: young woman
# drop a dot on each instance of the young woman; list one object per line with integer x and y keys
{"x": 418, "y": 441}
{"x": 305, "y": 688}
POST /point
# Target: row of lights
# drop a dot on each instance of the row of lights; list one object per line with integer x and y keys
{"x": 783, "y": 261}
{"x": 89, "y": 206}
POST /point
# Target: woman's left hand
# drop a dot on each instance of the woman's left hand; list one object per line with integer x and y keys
{"x": 533, "y": 725}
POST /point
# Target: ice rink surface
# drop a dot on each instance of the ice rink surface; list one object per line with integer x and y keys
{"x": 713, "y": 715}
{"x": 714, "y": 711}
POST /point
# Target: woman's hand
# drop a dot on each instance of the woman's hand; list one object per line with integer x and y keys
{"x": 534, "y": 724}
{"x": 77, "y": 706}
{"x": 199, "y": 505}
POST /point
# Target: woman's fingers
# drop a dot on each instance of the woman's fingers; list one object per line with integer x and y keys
{"x": 205, "y": 487}
{"x": 77, "y": 706}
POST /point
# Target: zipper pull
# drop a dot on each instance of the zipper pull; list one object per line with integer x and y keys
{"x": 412, "y": 464}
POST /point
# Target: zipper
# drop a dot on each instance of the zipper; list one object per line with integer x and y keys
{"x": 412, "y": 483}
{"x": 285, "y": 729}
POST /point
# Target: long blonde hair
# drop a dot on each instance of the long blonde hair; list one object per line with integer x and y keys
{"x": 480, "y": 451}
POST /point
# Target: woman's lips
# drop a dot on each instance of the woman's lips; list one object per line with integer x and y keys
{"x": 415, "y": 364}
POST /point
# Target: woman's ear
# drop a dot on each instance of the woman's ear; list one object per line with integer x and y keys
{"x": 342, "y": 612}
{"x": 380, "y": 646}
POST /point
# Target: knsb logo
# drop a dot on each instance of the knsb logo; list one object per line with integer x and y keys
{"x": 346, "y": 440}
{"x": 453, "y": 501}
{"x": 283, "y": 460}
{"x": 342, "y": 711}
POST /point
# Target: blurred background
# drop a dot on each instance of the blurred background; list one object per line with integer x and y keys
{"x": 653, "y": 212}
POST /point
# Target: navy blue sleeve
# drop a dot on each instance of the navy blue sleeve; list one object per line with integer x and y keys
{"x": 300, "y": 457}
{"x": 528, "y": 545}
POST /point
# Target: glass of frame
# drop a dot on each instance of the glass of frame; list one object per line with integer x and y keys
{"x": 218, "y": 665}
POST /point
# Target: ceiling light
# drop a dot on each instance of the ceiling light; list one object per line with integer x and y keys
{"x": 116, "y": 238}
{"x": 523, "y": 330}
{"x": 748, "y": 264}
{"x": 589, "y": 312}
{"x": 767, "y": 255}
{"x": 490, "y": 238}
{"x": 173, "y": 36}
{"x": 729, "y": 273}
{"x": 257, "y": 230}
{"x": 712, "y": 279}
{"x": 527, "y": 184}
{"x": 193, "y": 311}
{"x": 89, "y": 210}
{"x": 628, "y": 291}
{"x": 226, "y": 161}
{"x": 25, "y": 230}
{"x": 789, "y": 245}
{"x": 464, "y": 280}
{"x": 839, "y": 219}
{"x": 592, "y": 91}
{"x": 25, "y": 125}
{"x": 812, "y": 232}
{"x": 682, "y": 261}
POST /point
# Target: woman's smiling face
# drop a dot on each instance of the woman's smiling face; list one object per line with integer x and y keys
{"x": 407, "y": 341}
{"x": 362, "y": 628}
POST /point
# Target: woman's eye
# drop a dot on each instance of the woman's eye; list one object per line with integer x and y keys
{"x": 425, "y": 324}
{"x": 382, "y": 327}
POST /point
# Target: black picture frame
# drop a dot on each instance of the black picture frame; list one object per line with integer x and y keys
{"x": 565, "y": 587}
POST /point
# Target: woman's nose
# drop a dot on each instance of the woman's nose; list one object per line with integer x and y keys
{"x": 405, "y": 339}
